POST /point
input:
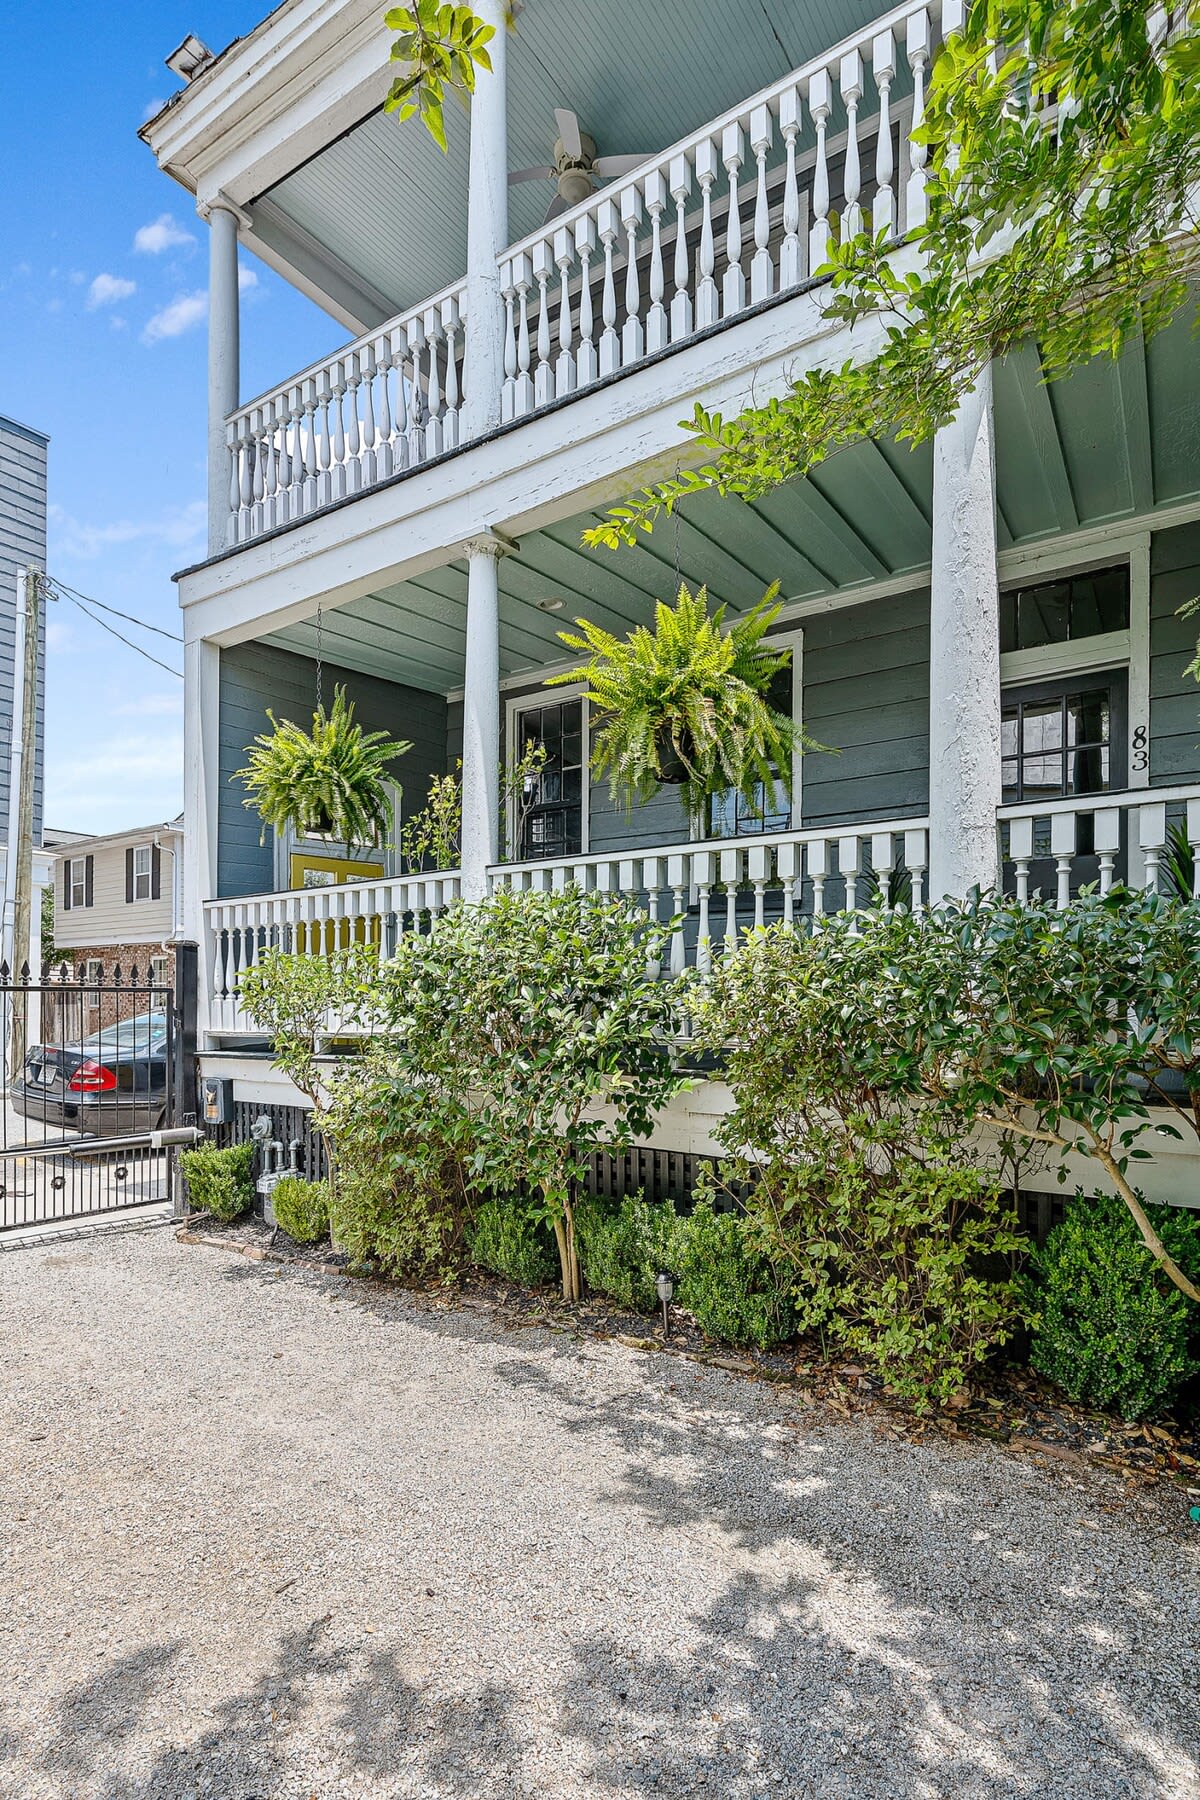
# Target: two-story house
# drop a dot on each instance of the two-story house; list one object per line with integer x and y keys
{"x": 984, "y": 629}
{"x": 117, "y": 904}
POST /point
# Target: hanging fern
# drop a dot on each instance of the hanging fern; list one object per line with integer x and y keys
{"x": 330, "y": 782}
{"x": 686, "y": 703}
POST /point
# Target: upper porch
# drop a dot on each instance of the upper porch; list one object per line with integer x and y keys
{"x": 763, "y": 129}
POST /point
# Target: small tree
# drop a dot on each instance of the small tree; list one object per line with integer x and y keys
{"x": 300, "y": 1002}
{"x": 534, "y": 1017}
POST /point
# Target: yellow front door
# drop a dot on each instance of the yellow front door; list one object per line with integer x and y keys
{"x": 316, "y": 871}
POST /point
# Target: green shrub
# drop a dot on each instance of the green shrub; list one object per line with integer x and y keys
{"x": 301, "y": 1208}
{"x": 888, "y": 1261}
{"x": 622, "y": 1249}
{"x": 398, "y": 1227}
{"x": 1109, "y": 1328}
{"x": 730, "y": 1288}
{"x": 219, "y": 1182}
{"x": 514, "y": 1239}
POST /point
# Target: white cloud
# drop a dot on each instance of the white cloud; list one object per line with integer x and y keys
{"x": 77, "y": 277}
{"x": 126, "y": 776}
{"x": 185, "y": 311}
{"x": 246, "y": 277}
{"x": 106, "y": 290}
{"x": 162, "y": 234}
{"x": 152, "y": 706}
{"x": 175, "y": 529}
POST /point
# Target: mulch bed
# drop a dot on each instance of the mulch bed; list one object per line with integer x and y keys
{"x": 1010, "y": 1406}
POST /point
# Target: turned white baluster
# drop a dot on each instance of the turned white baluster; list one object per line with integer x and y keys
{"x": 369, "y": 454}
{"x": 708, "y": 299}
{"x": 1020, "y": 850}
{"x": 523, "y": 399}
{"x": 233, "y": 446}
{"x": 702, "y": 876}
{"x": 677, "y": 880}
{"x": 762, "y": 270}
{"x": 451, "y": 415}
{"x": 543, "y": 269}
{"x": 848, "y": 869}
{"x": 354, "y": 471}
{"x": 917, "y": 46}
{"x": 338, "y": 448}
{"x": 758, "y": 867}
{"x": 434, "y": 434}
{"x": 610, "y": 343}
{"x": 416, "y": 399}
{"x": 586, "y": 362}
{"x": 733, "y": 154}
{"x": 383, "y": 361}
{"x": 681, "y": 300}
{"x": 651, "y": 883}
{"x": 310, "y": 414}
{"x": 403, "y": 396}
{"x": 883, "y": 861}
{"x": 820, "y": 105}
{"x": 270, "y": 467}
{"x": 325, "y": 440}
{"x": 851, "y": 84}
{"x": 916, "y": 857}
{"x": 633, "y": 338}
{"x": 1152, "y": 838}
{"x": 730, "y": 865}
{"x": 249, "y": 459}
{"x": 791, "y": 254}
{"x": 1106, "y": 826}
{"x": 657, "y": 332}
{"x": 883, "y": 66}
{"x": 787, "y": 868}
{"x": 284, "y": 465}
{"x": 564, "y": 368}
{"x": 508, "y": 288}
{"x": 1062, "y": 848}
{"x": 817, "y": 858}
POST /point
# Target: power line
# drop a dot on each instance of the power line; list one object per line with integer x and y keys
{"x": 144, "y": 624}
{"x": 63, "y": 593}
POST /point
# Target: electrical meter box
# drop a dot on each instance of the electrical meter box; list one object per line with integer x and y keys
{"x": 216, "y": 1100}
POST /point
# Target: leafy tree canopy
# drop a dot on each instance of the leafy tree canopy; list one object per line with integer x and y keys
{"x": 1063, "y": 151}
{"x": 442, "y": 47}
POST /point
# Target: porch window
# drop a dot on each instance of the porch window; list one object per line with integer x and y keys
{"x": 1059, "y": 612}
{"x": 549, "y": 815}
{"x": 730, "y": 814}
{"x": 1058, "y": 742}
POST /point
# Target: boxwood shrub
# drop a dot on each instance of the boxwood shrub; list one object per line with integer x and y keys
{"x": 730, "y": 1288}
{"x": 623, "y": 1246}
{"x": 219, "y": 1182}
{"x": 513, "y": 1238}
{"x": 301, "y": 1208}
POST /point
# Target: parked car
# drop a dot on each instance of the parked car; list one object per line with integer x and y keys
{"x": 105, "y": 1086}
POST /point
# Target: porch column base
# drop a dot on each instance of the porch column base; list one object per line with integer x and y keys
{"x": 481, "y": 718}
{"x": 964, "y": 655}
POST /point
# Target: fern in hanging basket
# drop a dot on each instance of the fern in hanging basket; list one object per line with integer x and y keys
{"x": 686, "y": 704}
{"x": 329, "y": 782}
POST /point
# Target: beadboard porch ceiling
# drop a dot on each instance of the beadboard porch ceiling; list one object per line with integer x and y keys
{"x": 384, "y": 202}
{"x": 1112, "y": 444}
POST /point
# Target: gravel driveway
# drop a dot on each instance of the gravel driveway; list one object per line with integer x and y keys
{"x": 270, "y": 1534}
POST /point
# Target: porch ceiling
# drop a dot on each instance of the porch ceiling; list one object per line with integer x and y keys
{"x": 384, "y": 202}
{"x": 1110, "y": 445}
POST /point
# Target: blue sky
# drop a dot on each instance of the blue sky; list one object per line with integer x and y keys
{"x": 103, "y": 266}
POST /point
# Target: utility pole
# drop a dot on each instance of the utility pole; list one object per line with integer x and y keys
{"x": 23, "y": 773}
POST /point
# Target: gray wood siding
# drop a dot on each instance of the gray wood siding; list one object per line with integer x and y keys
{"x": 866, "y": 695}
{"x": 255, "y": 677}
{"x": 22, "y": 542}
{"x": 1174, "y": 696}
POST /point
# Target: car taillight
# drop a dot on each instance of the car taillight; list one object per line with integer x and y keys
{"x": 92, "y": 1078}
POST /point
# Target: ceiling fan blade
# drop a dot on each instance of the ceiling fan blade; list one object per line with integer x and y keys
{"x": 543, "y": 172}
{"x": 568, "y": 131}
{"x": 557, "y": 205}
{"x": 606, "y": 166}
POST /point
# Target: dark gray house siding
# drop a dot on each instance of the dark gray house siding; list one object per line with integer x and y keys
{"x": 257, "y": 676}
{"x": 22, "y": 543}
{"x": 1174, "y": 696}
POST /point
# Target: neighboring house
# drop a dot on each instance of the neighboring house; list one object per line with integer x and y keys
{"x": 23, "y": 453}
{"x": 412, "y": 506}
{"x": 117, "y": 905}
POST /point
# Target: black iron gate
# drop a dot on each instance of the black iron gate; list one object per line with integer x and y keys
{"x": 98, "y": 1073}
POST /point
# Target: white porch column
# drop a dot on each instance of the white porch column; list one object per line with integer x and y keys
{"x": 964, "y": 655}
{"x": 223, "y": 363}
{"x": 487, "y": 232}
{"x": 201, "y": 788}
{"x": 481, "y": 718}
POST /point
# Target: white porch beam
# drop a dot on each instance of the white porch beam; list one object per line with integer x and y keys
{"x": 224, "y": 363}
{"x": 481, "y": 717}
{"x": 964, "y": 654}
{"x": 487, "y": 231}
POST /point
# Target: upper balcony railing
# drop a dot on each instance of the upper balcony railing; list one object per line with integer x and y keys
{"x": 726, "y": 219}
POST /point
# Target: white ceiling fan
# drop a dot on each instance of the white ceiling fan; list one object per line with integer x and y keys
{"x": 576, "y": 167}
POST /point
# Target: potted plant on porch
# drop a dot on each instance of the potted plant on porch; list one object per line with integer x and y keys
{"x": 686, "y": 704}
{"x": 330, "y": 782}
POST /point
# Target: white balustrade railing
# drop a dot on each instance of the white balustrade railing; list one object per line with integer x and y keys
{"x": 1055, "y": 847}
{"x": 719, "y": 889}
{"x": 385, "y": 403}
{"x": 313, "y": 920}
{"x": 739, "y": 212}
{"x": 743, "y": 210}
